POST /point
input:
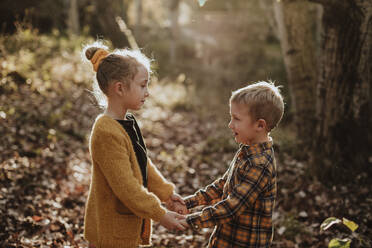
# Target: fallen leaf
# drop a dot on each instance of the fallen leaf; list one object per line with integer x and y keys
{"x": 37, "y": 218}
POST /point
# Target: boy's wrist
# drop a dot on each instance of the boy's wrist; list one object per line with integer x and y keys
{"x": 193, "y": 221}
{"x": 194, "y": 226}
{"x": 190, "y": 202}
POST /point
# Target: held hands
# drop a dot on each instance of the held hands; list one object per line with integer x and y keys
{"x": 184, "y": 223}
{"x": 174, "y": 221}
{"x": 177, "y": 204}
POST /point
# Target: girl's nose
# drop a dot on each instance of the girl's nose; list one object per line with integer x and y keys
{"x": 230, "y": 125}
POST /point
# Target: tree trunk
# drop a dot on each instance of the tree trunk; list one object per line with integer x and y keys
{"x": 295, "y": 22}
{"x": 174, "y": 13}
{"x": 268, "y": 9}
{"x": 343, "y": 139}
{"x": 106, "y": 15}
{"x": 73, "y": 18}
{"x": 139, "y": 10}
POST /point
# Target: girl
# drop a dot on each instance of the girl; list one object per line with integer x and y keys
{"x": 126, "y": 189}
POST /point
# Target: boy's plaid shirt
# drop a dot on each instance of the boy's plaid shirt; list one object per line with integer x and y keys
{"x": 240, "y": 204}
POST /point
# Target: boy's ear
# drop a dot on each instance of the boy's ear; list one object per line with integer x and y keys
{"x": 261, "y": 125}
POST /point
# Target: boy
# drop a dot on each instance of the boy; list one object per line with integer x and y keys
{"x": 240, "y": 204}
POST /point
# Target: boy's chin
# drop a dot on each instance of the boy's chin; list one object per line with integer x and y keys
{"x": 241, "y": 142}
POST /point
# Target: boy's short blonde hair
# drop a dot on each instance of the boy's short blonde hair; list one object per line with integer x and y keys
{"x": 263, "y": 101}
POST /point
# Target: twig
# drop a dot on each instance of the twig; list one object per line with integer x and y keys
{"x": 123, "y": 27}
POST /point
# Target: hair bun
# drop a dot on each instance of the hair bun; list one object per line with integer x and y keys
{"x": 95, "y": 55}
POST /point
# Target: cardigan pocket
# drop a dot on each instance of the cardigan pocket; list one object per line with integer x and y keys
{"x": 121, "y": 209}
{"x": 127, "y": 226}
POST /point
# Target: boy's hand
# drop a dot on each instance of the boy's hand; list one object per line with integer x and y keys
{"x": 179, "y": 208}
{"x": 172, "y": 221}
{"x": 184, "y": 223}
{"x": 176, "y": 204}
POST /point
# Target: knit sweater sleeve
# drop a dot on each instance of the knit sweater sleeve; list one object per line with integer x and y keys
{"x": 158, "y": 184}
{"x": 111, "y": 154}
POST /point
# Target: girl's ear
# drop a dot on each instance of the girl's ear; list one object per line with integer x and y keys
{"x": 261, "y": 125}
{"x": 119, "y": 88}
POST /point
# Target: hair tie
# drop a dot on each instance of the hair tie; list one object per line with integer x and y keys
{"x": 97, "y": 57}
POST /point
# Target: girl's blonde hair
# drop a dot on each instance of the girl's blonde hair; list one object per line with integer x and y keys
{"x": 119, "y": 65}
{"x": 263, "y": 101}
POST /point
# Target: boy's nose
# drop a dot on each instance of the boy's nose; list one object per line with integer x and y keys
{"x": 230, "y": 125}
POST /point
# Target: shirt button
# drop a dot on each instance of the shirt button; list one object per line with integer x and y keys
{"x": 196, "y": 227}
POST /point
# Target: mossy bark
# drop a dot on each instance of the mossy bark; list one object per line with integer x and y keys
{"x": 295, "y": 24}
{"x": 332, "y": 105}
{"x": 342, "y": 139}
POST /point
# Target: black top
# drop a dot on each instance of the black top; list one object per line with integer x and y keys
{"x": 131, "y": 127}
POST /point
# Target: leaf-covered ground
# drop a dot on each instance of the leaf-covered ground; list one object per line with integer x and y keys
{"x": 46, "y": 114}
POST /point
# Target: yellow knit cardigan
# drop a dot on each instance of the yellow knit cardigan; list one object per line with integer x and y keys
{"x": 119, "y": 209}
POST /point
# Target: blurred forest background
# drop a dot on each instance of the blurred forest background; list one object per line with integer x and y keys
{"x": 320, "y": 51}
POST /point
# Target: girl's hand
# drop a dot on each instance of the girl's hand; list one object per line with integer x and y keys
{"x": 179, "y": 208}
{"x": 176, "y": 204}
{"x": 184, "y": 223}
{"x": 172, "y": 221}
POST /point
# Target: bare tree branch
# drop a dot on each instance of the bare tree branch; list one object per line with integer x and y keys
{"x": 128, "y": 33}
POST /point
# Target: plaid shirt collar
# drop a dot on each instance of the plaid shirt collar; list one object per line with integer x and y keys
{"x": 257, "y": 148}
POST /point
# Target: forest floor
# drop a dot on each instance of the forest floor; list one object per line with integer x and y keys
{"x": 46, "y": 114}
